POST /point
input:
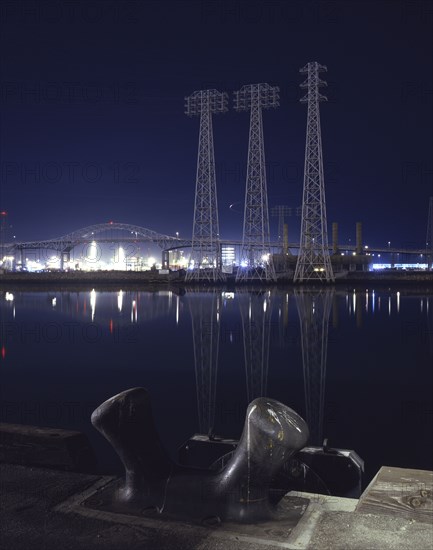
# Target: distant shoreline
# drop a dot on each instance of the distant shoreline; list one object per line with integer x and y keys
{"x": 176, "y": 278}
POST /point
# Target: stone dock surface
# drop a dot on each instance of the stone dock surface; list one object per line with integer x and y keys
{"x": 46, "y": 509}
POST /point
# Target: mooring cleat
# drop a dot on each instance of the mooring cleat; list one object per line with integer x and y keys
{"x": 240, "y": 491}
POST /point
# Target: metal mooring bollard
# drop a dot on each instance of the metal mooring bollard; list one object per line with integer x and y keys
{"x": 238, "y": 492}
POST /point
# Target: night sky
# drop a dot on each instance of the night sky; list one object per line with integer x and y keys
{"x": 93, "y": 129}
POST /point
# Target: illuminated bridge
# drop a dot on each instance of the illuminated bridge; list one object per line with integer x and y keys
{"x": 113, "y": 232}
{"x": 110, "y": 232}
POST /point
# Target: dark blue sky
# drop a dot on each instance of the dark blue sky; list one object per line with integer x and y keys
{"x": 92, "y": 99}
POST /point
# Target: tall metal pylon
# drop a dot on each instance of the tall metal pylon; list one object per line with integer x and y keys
{"x": 313, "y": 262}
{"x": 429, "y": 236}
{"x": 256, "y": 257}
{"x": 205, "y": 261}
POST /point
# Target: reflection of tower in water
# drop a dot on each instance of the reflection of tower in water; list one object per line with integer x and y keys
{"x": 256, "y": 312}
{"x": 314, "y": 307}
{"x": 205, "y": 316}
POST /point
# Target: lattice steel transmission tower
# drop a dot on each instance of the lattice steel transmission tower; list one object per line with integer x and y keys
{"x": 256, "y": 257}
{"x": 205, "y": 262}
{"x": 429, "y": 236}
{"x": 314, "y": 308}
{"x": 313, "y": 262}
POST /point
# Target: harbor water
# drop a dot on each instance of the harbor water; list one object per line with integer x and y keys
{"x": 356, "y": 363}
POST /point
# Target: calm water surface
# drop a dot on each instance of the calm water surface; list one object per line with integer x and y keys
{"x": 357, "y": 364}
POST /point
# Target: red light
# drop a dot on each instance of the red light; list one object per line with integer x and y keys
{"x": 3, "y": 213}
{"x": 3, "y": 352}
{"x": 111, "y": 223}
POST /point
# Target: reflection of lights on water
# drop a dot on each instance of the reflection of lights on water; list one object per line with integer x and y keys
{"x": 120, "y": 300}
{"x": 229, "y": 295}
{"x": 54, "y": 301}
{"x": 264, "y": 306}
{"x": 110, "y": 326}
{"x": 398, "y": 302}
{"x": 93, "y": 302}
{"x": 177, "y": 310}
{"x": 3, "y": 352}
{"x": 134, "y": 312}
{"x": 389, "y": 305}
{"x": 373, "y": 301}
{"x": 366, "y": 301}
{"x": 422, "y": 305}
{"x": 354, "y": 301}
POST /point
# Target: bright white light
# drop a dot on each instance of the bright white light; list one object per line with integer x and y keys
{"x": 120, "y": 300}
{"x": 244, "y": 263}
{"x": 265, "y": 257}
{"x": 121, "y": 258}
{"x": 134, "y": 311}
{"x": 93, "y": 302}
{"x": 54, "y": 301}
{"x": 53, "y": 262}
{"x": 92, "y": 256}
{"x": 9, "y": 297}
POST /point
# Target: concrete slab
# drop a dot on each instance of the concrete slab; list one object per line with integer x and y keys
{"x": 355, "y": 531}
{"x": 43, "y": 509}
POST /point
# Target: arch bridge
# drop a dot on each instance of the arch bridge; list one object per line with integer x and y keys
{"x": 110, "y": 232}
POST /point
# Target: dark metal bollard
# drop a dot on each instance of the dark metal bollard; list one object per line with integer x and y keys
{"x": 239, "y": 492}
